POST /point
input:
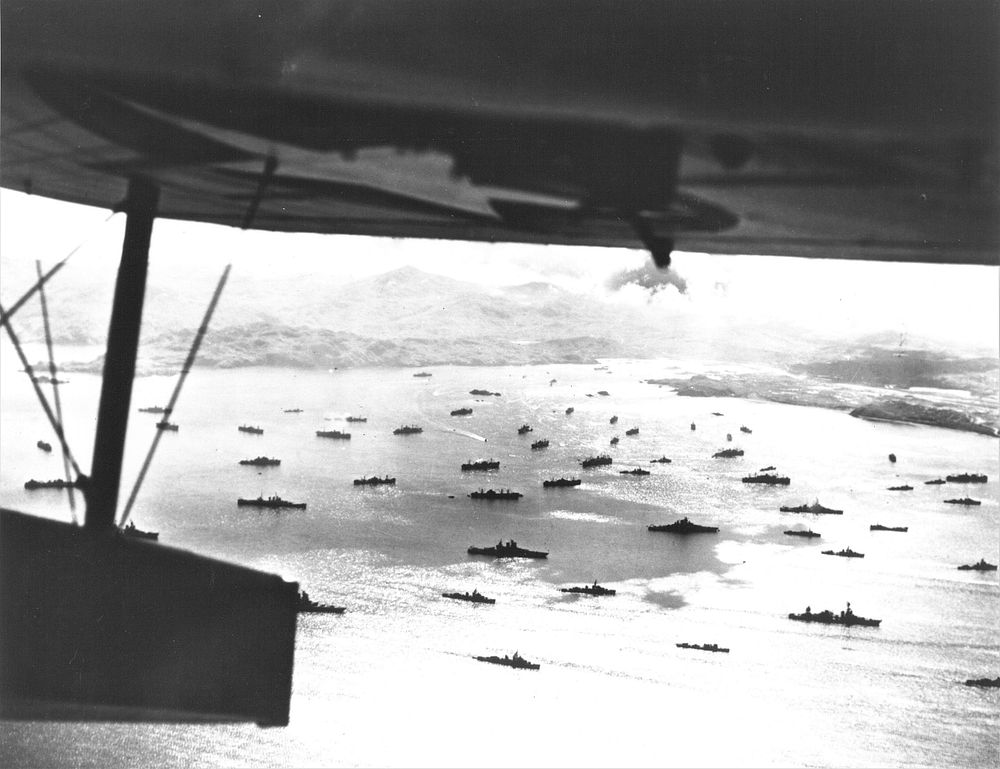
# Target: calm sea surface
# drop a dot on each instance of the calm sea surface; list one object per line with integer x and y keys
{"x": 392, "y": 682}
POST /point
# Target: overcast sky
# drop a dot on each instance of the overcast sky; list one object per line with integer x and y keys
{"x": 946, "y": 302}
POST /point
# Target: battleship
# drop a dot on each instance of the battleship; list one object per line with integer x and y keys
{"x": 684, "y": 526}
{"x": 727, "y": 454}
{"x": 815, "y": 508}
{"x": 966, "y": 478}
{"x": 808, "y": 533}
{"x": 846, "y": 618}
{"x": 337, "y": 434}
{"x": 880, "y": 527}
{"x": 967, "y": 501}
{"x": 767, "y": 479}
{"x": 407, "y": 430}
{"x": 261, "y": 462}
{"x": 543, "y": 444}
{"x": 508, "y": 549}
{"x": 594, "y": 589}
{"x": 474, "y": 597}
{"x": 517, "y": 661}
{"x": 481, "y": 464}
{"x": 703, "y": 647}
{"x": 845, "y": 553}
{"x": 462, "y": 412}
{"x": 602, "y": 459}
{"x": 504, "y": 494}
{"x": 274, "y": 502}
{"x": 559, "y": 482}
{"x": 251, "y": 429}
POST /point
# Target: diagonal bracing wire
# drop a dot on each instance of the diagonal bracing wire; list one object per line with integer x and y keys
{"x": 177, "y": 391}
{"x": 55, "y": 383}
{"x": 56, "y": 425}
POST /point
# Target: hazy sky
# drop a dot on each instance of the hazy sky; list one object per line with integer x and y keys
{"x": 946, "y": 302}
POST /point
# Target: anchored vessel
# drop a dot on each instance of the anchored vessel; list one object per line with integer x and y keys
{"x": 826, "y": 617}
{"x": 153, "y": 410}
{"x": 131, "y": 531}
{"x": 703, "y": 647}
{"x": 570, "y": 410}
{"x": 507, "y": 549}
{"x": 481, "y": 464}
{"x": 815, "y": 508}
{"x": 499, "y": 494}
{"x": 845, "y": 553}
{"x": 614, "y": 420}
{"x": 768, "y": 479}
{"x": 292, "y": 411}
{"x": 632, "y": 431}
{"x": 169, "y": 426}
{"x": 375, "y": 481}
{"x": 308, "y": 606}
{"x": 966, "y": 478}
{"x": 407, "y": 430}
{"x": 561, "y": 482}
{"x": 251, "y": 429}
{"x": 614, "y": 441}
{"x": 477, "y": 391}
{"x": 880, "y": 527}
{"x": 981, "y": 566}
{"x": 260, "y": 461}
{"x": 969, "y": 501}
{"x": 517, "y": 661}
{"x": 661, "y": 461}
{"x": 333, "y": 434}
{"x": 904, "y": 487}
{"x": 727, "y": 454}
{"x": 44, "y": 445}
{"x": 57, "y": 483}
{"x": 744, "y": 429}
{"x": 474, "y": 597}
{"x": 524, "y": 429}
{"x": 422, "y": 374}
{"x": 809, "y": 533}
{"x": 935, "y": 482}
{"x": 543, "y": 444}
{"x": 462, "y": 412}
{"x": 594, "y": 589}
{"x": 684, "y": 526}
{"x": 357, "y": 419}
{"x": 634, "y": 471}
{"x": 602, "y": 459}
{"x": 271, "y": 502}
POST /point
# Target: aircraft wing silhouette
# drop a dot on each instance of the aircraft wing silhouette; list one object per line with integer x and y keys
{"x": 860, "y": 129}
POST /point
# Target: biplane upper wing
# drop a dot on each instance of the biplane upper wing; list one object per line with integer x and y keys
{"x": 862, "y": 128}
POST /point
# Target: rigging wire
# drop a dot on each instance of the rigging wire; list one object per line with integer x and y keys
{"x": 56, "y": 425}
{"x": 168, "y": 410}
{"x": 5, "y": 315}
{"x": 55, "y": 384}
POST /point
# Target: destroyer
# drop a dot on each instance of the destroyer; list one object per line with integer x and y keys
{"x": 336, "y": 434}
{"x": 261, "y": 462}
{"x": 634, "y": 471}
{"x": 375, "y": 481}
{"x": 517, "y": 661}
{"x": 307, "y": 605}
{"x": 968, "y": 501}
{"x": 809, "y": 533}
{"x": 768, "y": 479}
{"x": 274, "y": 502}
{"x": 845, "y": 553}
{"x": 935, "y": 482}
{"x": 153, "y": 410}
{"x": 703, "y": 647}
{"x": 474, "y": 597}
{"x": 130, "y": 530}
{"x": 661, "y": 461}
{"x": 251, "y": 429}
{"x": 904, "y": 487}
{"x": 966, "y": 478}
{"x": 846, "y": 618}
{"x": 594, "y": 589}
{"x": 57, "y": 483}
{"x": 981, "y": 566}
{"x": 558, "y": 482}
{"x": 880, "y": 527}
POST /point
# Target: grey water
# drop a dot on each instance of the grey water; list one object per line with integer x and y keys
{"x": 393, "y": 682}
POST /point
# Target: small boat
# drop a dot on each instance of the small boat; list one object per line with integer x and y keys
{"x": 892, "y": 457}
{"x": 130, "y": 530}
{"x": 983, "y": 682}
{"x": 968, "y": 501}
{"x": 483, "y": 392}
{"x": 261, "y": 462}
{"x": 660, "y": 461}
{"x": 337, "y": 434}
{"x": 966, "y": 478}
{"x": 717, "y": 414}
{"x": 729, "y": 437}
{"x": 727, "y": 454}
{"x": 481, "y": 464}
{"x": 57, "y": 483}
{"x": 274, "y": 502}
{"x": 543, "y": 444}
{"x": 559, "y": 482}
{"x": 517, "y": 661}
{"x": 570, "y": 410}
{"x": 880, "y": 527}
{"x": 169, "y": 426}
{"x": 292, "y": 411}
{"x": 693, "y": 427}
{"x": 422, "y": 374}
{"x": 44, "y": 445}
{"x": 603, "y": 392}
{"x": 767, "y": 469}
{"x": 684, "y": 526}
{"x": 407, "y": 430}
{"x": 981, "y": 566}
{"x": 767, "y": 479}
{"x": 614, "y": 441}
{"x": 601, "y": 459}
{"x": 524, "y": 429}
{"x": 703, "y": 647}
{"x": 462, "y": 412}
{"x": 632, "y": 431}
{"x": 491, "y": 494}
{"x": 594, "y": 589}
{"x": 745, "y": 429}
{"x": 935, "y": 482}
{"x": 815, "y": 508}
{"x": 308, "y": 606}
{"x": 375, "y": 481}
{"x": 845, "y": 553}
{"x": 153, "y": 410}
{"x": 634, "y": 471}
{"x": 809, "y": 533}
{"x": 251, "y": 429}
{"x": 474, "y": 597}
{"x": 904, "y": 487}
{"x": 357, "y": 419}
{"x": 826, "y": 617}
{"x": 508, "y": 549}
{"x": 613, "y": 420}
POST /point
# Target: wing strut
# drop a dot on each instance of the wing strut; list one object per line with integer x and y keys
{"x": 101, "y": 491}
